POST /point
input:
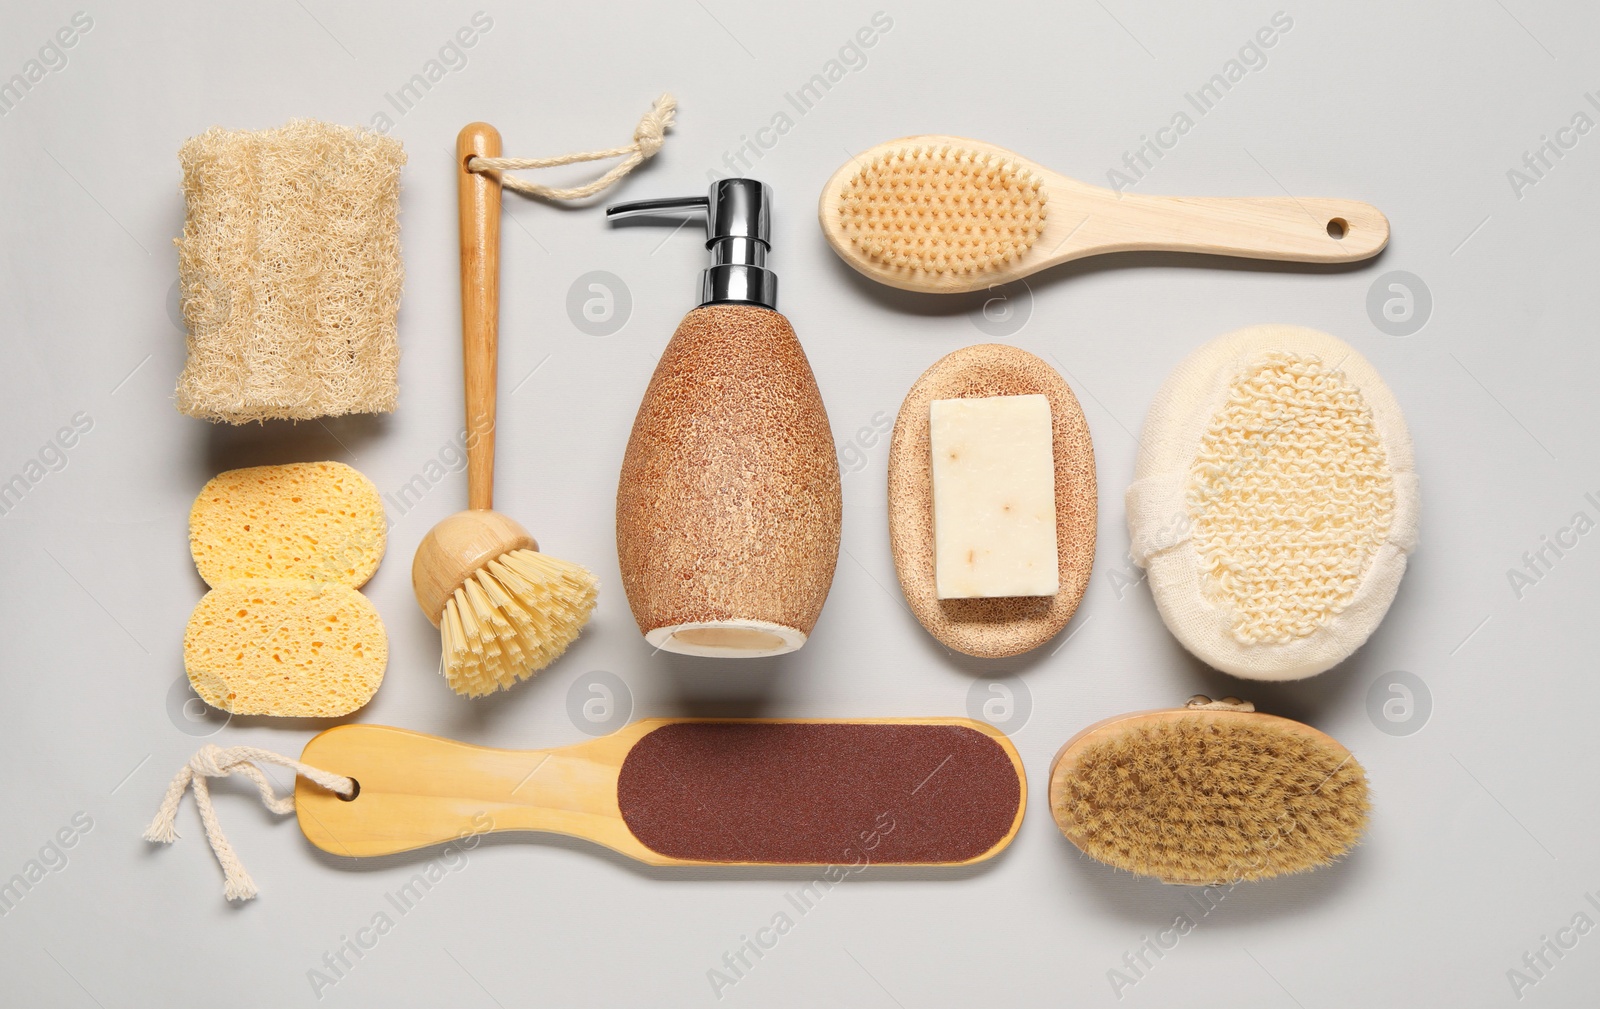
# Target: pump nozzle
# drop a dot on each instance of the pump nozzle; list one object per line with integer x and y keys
{"x": 738, "y": 233}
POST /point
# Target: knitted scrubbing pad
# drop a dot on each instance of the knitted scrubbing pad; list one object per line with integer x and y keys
{"x": 1190, "y": 799}
{"x": 290, "y": 271}
{"x": 1274, "y": 502}
{"x": 1292, "y": 466}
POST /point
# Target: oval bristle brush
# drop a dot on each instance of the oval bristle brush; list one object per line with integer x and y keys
{"x": 945, "y": 215}
{"x": 1214, "y": 792}
{"x": 682, "y": 791}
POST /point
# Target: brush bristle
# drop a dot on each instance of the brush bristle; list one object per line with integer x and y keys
{"x": 942, "y": 210}
{"x": 1198, "y": 800}
{"x": 515, "y": 616}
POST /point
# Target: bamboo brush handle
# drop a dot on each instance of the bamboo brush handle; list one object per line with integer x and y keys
{"x": 479, "y": 200}
{"x": 1308, "y": 230}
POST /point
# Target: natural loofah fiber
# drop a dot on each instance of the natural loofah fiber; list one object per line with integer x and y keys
{"x": 1275, "y": 502}
{"x": 1291, "y": 495}
{"x": 1199, "y": 797}
{"x": 290, "y": 272}
{"x": 942, "y": 210}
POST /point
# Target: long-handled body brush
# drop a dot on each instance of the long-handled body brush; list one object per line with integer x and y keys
{"x": 504, "y": 610}
{"x": 942, "y": 215}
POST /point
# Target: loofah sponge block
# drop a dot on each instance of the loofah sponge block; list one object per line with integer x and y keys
{"x": 1274, "y": 502}
{"x": 1208, "y": 797}
{"x": 290, "y": 272}
{"x": 319, "y": 521}
{"x": 294, "y": 649}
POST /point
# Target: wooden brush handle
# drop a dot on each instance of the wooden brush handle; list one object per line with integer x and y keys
{"x": 479, "y": 199}
{"x": 1282, "y": 228}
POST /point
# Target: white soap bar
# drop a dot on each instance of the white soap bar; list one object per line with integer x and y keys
{"x": 994, "y": 497}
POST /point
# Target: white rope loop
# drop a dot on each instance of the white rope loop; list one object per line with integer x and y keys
{"x": 215, "y": 762}
{"x": 648, "y": 137}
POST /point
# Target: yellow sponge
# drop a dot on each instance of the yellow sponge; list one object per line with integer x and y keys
{"x": 318, "y": 521}
{"x": 297, "y": 649}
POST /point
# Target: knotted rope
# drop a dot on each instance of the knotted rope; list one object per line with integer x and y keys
{"x": 214, "y": 762}
{"x": 647, "y": 139}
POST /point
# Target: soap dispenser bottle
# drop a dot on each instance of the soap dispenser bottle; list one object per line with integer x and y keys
{"x": 728, "y": 505}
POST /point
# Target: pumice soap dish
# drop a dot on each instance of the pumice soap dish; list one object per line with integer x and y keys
{"x": 1274, "y": 502}
{"x": 992, "y": 501}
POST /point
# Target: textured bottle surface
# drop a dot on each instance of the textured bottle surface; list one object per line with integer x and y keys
{"x": 728, "y": 506}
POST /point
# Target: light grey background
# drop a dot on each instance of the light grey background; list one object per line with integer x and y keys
{"x": 1483, "y": 836}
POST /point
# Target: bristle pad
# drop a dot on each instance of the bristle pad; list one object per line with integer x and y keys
{"x": 515, "y": 616}
{"x": 1198, "y": 800}
{"x": 942, "y": 210}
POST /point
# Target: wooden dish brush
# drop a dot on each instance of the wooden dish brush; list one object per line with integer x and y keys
{"x": 504, "y": 610}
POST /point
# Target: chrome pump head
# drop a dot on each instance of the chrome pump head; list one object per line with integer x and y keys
{"x": 738, "y": 233}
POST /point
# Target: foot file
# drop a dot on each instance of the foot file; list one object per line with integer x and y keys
{"x": 935, "y": 791}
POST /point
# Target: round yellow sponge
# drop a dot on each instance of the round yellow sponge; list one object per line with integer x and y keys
{"x": 317, "y": 521}
{"x": 293, "y": 649}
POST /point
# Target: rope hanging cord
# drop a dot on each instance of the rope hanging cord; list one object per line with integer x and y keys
{"x": 647, "y": 139}
{"x": 215, "y": 762}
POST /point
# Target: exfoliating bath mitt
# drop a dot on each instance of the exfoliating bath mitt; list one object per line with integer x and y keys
{"x": 1274, "y": 502}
